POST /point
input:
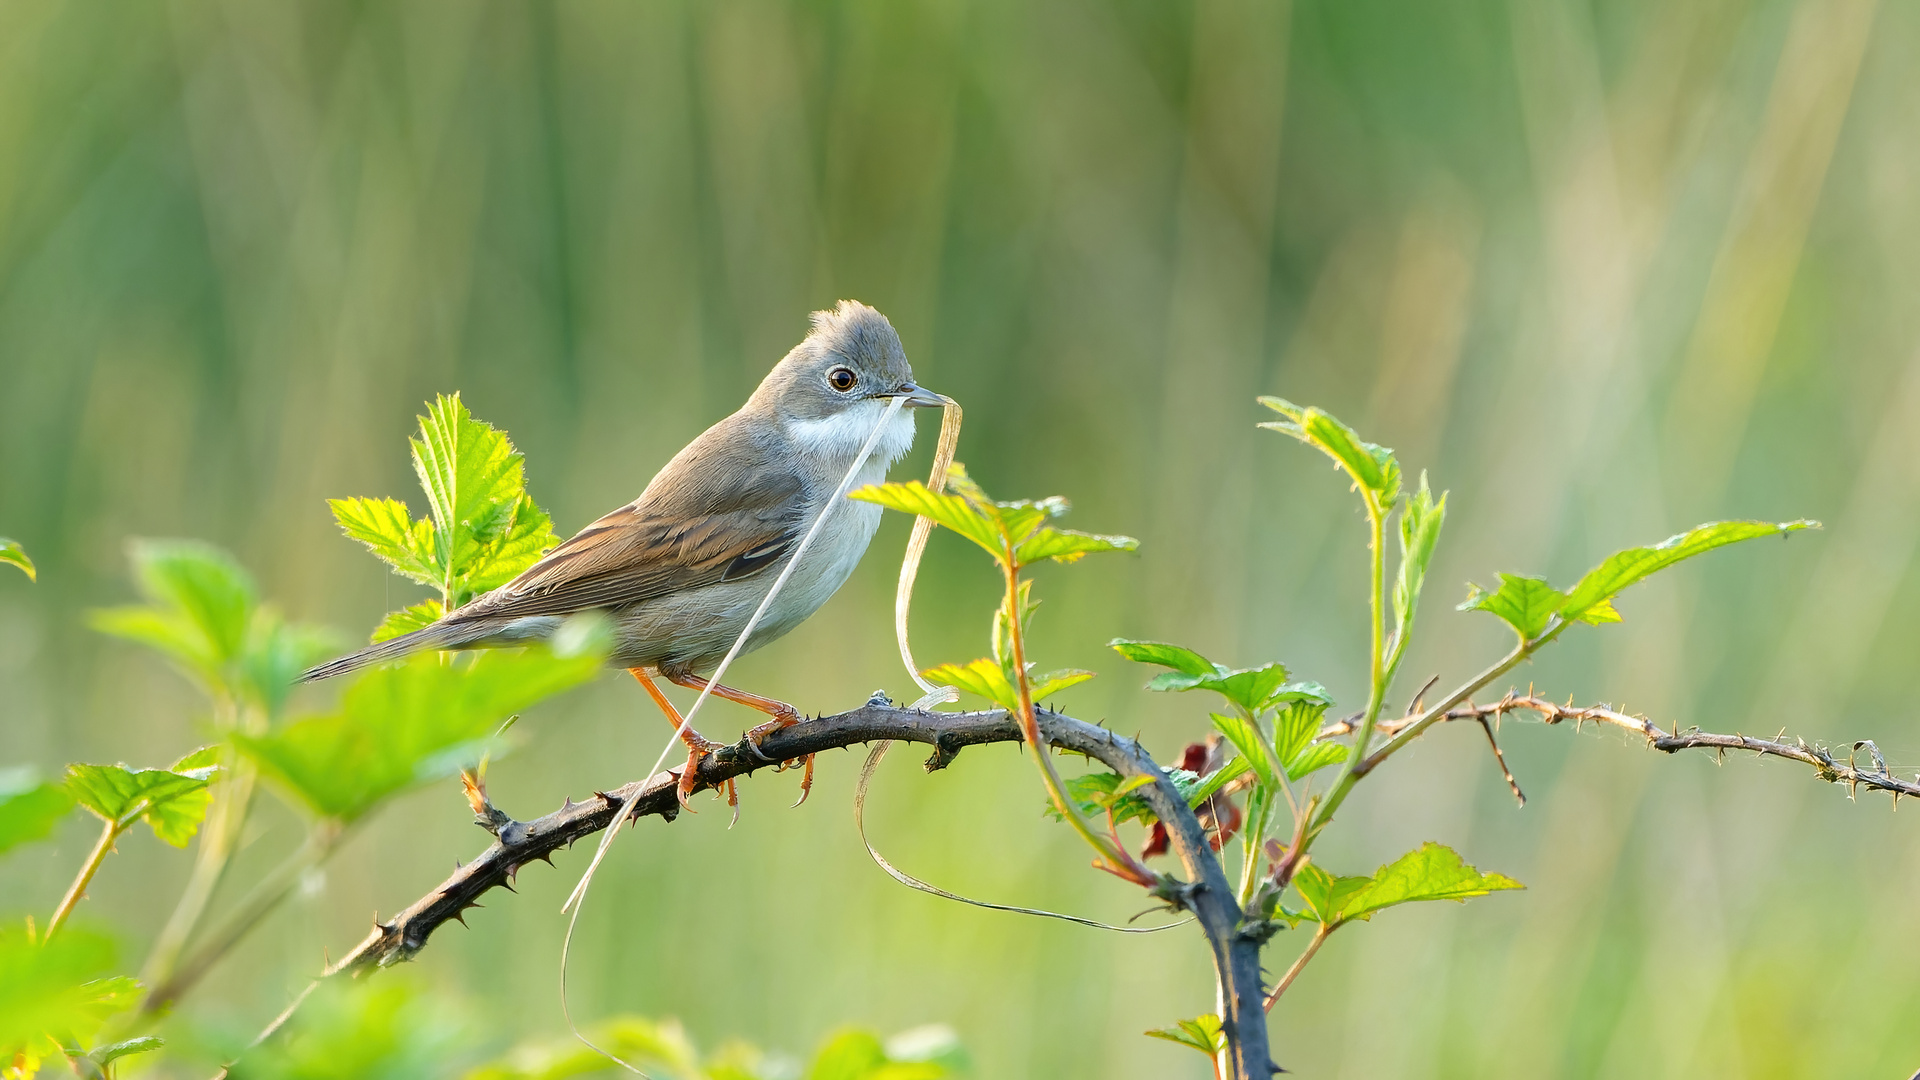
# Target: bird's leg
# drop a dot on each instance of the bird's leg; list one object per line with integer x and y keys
{"x": 698, "y": 745}
{"x": 783, "y": 714}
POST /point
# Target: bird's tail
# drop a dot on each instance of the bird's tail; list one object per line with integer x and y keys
{"x": 444, "y": 634}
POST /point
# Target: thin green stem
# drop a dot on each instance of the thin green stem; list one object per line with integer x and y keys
{"x": 1364, "y": 764}
{"x": 1377, "y": 690}
{"x": 1115, "y": 857}
{"x": 109, "y": 832}
{"x": 217, "y": 845}
{"x": 266, "y": 896}
{"x": 1320, "y": 937}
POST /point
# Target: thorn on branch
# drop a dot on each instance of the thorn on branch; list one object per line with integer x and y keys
{"x": 1500, "y": 758}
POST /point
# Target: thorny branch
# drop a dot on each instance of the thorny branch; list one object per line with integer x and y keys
{"x": 1876, "y": 777}
{"x": 1206, "y": 893}
{"x": 1234, "y": 942}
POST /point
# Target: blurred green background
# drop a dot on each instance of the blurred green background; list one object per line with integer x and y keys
{"x": 1606, "y": 269}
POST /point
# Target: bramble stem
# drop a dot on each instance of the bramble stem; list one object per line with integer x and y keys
{"x": 109, "y": 832}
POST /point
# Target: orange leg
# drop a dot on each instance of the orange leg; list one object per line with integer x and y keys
{"x": 783, "y": 714}
{"x": 697, "y": 744}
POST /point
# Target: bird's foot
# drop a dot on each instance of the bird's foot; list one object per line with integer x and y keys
{"x": 786, "y": 717}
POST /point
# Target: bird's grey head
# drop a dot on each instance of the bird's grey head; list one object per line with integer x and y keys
{"x": 852, "y": 358}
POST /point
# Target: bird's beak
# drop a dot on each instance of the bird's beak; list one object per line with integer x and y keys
{"x": 918, "y": 397}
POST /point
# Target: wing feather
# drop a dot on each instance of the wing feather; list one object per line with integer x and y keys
{"x": 675, "y": 537}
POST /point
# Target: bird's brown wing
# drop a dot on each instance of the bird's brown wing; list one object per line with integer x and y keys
{"x": 732, "y": 524}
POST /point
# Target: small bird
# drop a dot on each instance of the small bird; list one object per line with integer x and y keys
{"x": 681, "y": 569}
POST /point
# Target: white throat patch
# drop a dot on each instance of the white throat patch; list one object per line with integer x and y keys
{"x": 838, "y": 437}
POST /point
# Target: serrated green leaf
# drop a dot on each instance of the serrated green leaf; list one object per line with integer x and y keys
{"x": 29, "y": 806}
{"x": 1373, "y": 468}
{"x": 1590, "y": 600}
{"x": 1527, "y": 604}
{"x": 1202, "y": 1033}
{"x": 485, "y": 528}
{"x": 172, "y": 803}
{"x": 410, "y": 723}
{"x": 407, "y": 620}
{"x": 1066, "y": 545}
{"x": 1429, "y": 872}
{"x": 1251, "y": 742}
{"x": 982, "y": 677}
{"x": 388, "y": 530}
{"x": 1249, "y": 688}
{"x": 949, "y": 511}
{"x": 524, "y": 533}
{"x": 112, "y": 1052}
{"x": 12, "y": 552}
{"x": 1314, "y": 758}
{"x": 55, "y": 986}
{"x": 1327, "y": 895}
{"x": 1045, "y": 686}
{"x": 1178, "y": 657}
{"x": 1295, "y": 725}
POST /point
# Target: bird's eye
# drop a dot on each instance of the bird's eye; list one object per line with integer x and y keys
{"x": 841, "y": 379}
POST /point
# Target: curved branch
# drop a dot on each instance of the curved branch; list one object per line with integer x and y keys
{"x": 1236, "y": 948}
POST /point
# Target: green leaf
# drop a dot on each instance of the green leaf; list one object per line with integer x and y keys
{"x": 485, "y": 528}
{"x": 1098, "y": 793}
{"x": 1316, "y": 757}
{"x": 1295, "y": 726}
{"x": 172, "y": 802}
{"x": 29, "y": 806}
{"x": 390, "y": 1028}
{"x": 1373, "y": 468}
{"x": 112, "y": 1052}
{"x": 277, "y": 652}
{"x": 1246, "y": 737}
{"x": 950, "y": 511}
{"x": 200, "y": 606}
{"x": 1527, "y": 604}
{"x": 389, "y": 531}
{"x": 1326, "y": 895}
{"x": 1045, "y": 686}
{"x": 1178, "y": 657}
{"x": 1249, "y": 688}
{"x": 54, "y": 989}
{"x": 417, "y": 721}
{"x": 1420, "y": 523}
{"x": 12, "y": 552}
{"x": 1066, "y": 545}
{"x": 1591, "y": 599}
{"x": 1202, "y": 1033}
{"x": 408, "y": 619}
{"x": 1217, "y": 779}
{"x": 1429, "y": 872}
{"x": 659, "y": 1046}
{"x": 982, "y": 677}
{"x": 995, "y": 526}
